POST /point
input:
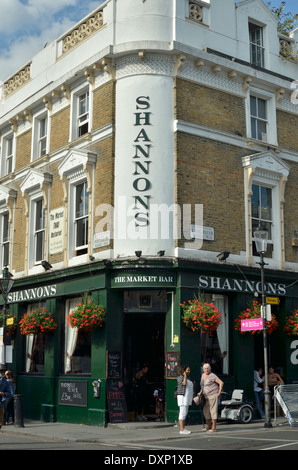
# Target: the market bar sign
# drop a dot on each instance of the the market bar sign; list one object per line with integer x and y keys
{"x": 240, "y": 285}
{"x": 133, "y": 279}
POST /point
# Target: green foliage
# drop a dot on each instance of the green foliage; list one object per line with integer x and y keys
{"x": 286, "y": 21}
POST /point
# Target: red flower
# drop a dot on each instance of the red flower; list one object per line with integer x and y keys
{"x": 254, "y": 311}
{"x": 291, "y": 325}
{"x": 200, "y": 316}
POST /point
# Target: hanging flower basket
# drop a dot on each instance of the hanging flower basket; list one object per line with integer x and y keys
{"x": 87, "y": 317}
{"x": 291, "y": 325}
{"x": 37, "y": 322}
{"x": 254, "y": 311}
{"x": 200, "y": 316}
{"x": 10, "y": 330}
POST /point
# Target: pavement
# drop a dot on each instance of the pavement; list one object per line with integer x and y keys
{"x": 125, "y": 433}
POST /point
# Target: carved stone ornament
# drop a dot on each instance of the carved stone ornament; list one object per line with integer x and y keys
{"x": 17, "y": 81}
{"x": 195, "y": 12}
{"x": 83, "y": 31}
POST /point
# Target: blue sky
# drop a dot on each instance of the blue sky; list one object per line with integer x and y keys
{"x": 27, "y": 25}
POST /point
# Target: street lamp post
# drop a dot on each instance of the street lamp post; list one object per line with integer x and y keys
{"x": 5, "y": 286}
{"x": 261, "y": 238}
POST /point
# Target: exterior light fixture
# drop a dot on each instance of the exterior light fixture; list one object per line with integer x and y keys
{"x": 161, "y": 253}
{"x": 138, "y": 253}
{"x": 46, "y": 265}
{"x": 223, "y": 255}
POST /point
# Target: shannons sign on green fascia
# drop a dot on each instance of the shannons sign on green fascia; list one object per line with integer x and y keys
{"x": 31, "y": 294}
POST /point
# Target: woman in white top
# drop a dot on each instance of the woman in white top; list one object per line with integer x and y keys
{"x": 184, "y": 396}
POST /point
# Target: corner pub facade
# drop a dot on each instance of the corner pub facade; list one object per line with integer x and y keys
{"x": 135, "y": 149}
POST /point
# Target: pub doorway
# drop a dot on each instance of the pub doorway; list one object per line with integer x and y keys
{"x": 144, "y": 356}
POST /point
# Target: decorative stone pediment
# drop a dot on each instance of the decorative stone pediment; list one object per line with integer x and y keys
{"x": 266, "y": 164}
{"x": 8, "y": 196}
{"x": 75, "y": 160}
{"x": 35, "y": 179}
{"x": 75, "y": 164}
{"x": 7, "y": 193}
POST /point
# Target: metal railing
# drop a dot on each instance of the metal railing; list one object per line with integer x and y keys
{"x": 287, "y": 398}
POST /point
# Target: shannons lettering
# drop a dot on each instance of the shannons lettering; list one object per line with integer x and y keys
{"x": 240, "y": 285}
{"x": 32, "y": 293}
{"x": 142, "y": 163}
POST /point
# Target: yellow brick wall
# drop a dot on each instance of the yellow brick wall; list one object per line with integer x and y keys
{"x": 202, "y": 178}
{"x": 23, "y": 150}
{"x": 291, "y": 213}
{"x": 60, "y": 123}
{"x": 287, "y": 135}
{"x": 209, "y": 107}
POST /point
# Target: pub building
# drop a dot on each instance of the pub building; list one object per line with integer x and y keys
{"x": 136, "y": 177}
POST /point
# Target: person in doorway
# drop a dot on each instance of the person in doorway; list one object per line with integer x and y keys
{"x": 274, "y": 378}
{"x": 184, "y": 396}
{"x": 5, "y": 392}
{"x": 211, "y": 387}
{"x": 141, "y": 384}
{"x": 259, "y": 391}
{"x": 9, "y": 405}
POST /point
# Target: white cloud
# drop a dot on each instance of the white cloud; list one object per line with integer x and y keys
{"x": 26, "y": 28}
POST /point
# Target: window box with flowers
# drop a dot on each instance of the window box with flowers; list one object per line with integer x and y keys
{"x": 291, "y": 325}
{"x": 87, "y": 316}
{"x": 37, "y": 322}
{"x": 11, "y": 329}
{"x": 199, "y": 315}
{"x": 254, "y": 311}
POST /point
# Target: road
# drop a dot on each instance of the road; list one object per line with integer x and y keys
{"x": 276, "y": 438}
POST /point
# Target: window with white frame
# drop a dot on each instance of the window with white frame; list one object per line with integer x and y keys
{"x": 7, "y": 154}
{"x": 256, "y": 42}
{"x": 258, "y": 118}
{"x": 81, "y": 115}
{"x": 261, "y": 213}
{"x": 261, "y": 116}
{"x": 4, "y": 239}
{"x": 39, "y": 230}
{"x": 265, "y": 177}
{"x": 40, "y": 135}
{"x": 81, "y": 207}
{"x": 76, "y": 172}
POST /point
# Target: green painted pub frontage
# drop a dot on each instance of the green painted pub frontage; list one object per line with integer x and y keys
{"x": 90, "y": 380}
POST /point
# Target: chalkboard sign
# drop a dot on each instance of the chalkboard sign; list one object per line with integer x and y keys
{"x": 172, "y": 363}
{"x": 116, "y": 401}
{"x": 73, "y": 393}
{"x": 114, "y": 364}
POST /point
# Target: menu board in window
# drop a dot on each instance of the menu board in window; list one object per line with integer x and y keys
{"x": 114, "y": 364}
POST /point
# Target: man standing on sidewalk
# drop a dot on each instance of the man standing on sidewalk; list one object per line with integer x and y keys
{"x": 5, "y": 392}
{"x": 259, "y": 391}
